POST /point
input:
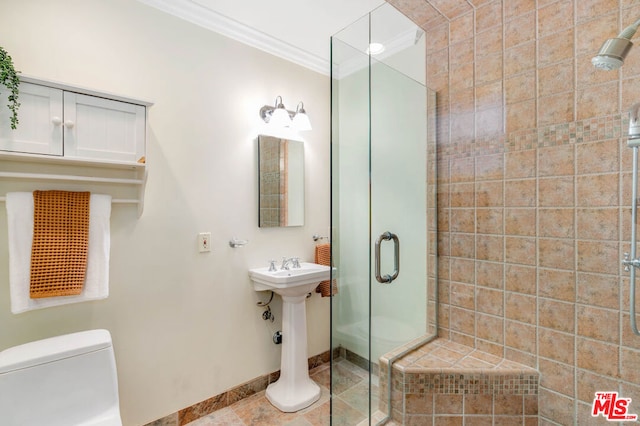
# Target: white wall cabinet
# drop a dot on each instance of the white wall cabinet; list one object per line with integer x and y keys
{"x": 65, "y": 121}
{"x": 40, "y": 115}
{"x": 74, "y": 139}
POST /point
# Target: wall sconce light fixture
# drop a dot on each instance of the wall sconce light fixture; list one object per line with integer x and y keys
{"x": 301, "y": 119}
{"x": 279, "y": 116}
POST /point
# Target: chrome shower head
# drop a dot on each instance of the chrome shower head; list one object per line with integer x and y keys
{"x": 613, "y": 52}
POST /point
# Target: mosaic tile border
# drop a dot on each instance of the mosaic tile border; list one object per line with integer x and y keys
{"x": 484, "y": 383}
{"x": 588, "y": 130}
{"x": 231, "y": 396}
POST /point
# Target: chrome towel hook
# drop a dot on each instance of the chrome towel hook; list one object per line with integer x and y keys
{"x": 235, "y": 243}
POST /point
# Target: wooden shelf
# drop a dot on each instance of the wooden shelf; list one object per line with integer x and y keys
{"x": 76, "y": 171}
{"x": 54, "y": 159}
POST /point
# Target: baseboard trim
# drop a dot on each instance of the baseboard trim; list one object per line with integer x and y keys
{"x": 231, "y": 396}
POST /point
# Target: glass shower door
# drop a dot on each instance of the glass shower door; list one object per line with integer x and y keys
{"x": 379, "y": 205}
{"x": 398, "y": 207}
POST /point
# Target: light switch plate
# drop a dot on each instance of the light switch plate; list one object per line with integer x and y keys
{"x": 204, "y": 242}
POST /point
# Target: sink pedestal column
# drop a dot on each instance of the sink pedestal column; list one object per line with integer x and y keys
{"x": 294, "y": 390}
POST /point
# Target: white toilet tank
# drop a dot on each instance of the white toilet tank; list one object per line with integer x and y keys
{"x": 62, "y": 381}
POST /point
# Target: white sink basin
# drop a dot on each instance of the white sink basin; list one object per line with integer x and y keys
{"x": 290, "y": 282}
{"x": 294, "y": 390}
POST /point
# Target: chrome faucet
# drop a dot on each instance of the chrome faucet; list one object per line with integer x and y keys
{"x": 285, "y": 263}
{"x": 293, "y": 261}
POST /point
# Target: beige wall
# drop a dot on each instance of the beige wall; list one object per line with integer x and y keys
{"x": 185, "y": 325}
{"x": 534, "y": 190}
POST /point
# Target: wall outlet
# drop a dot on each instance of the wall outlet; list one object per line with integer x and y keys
{"x": 204, "y": 242}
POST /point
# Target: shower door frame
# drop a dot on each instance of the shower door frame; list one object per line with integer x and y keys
{"x": 431, "y": 305}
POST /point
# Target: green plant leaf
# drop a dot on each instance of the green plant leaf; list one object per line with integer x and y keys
{"x": 9, "y": 79}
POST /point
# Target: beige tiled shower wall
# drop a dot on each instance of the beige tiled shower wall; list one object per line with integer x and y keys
{"x": 534, "y": 190}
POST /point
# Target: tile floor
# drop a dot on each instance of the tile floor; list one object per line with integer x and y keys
{"x": 351, "y": 403}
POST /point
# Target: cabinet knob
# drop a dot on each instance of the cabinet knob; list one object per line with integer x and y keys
{"x": 69, "y": 124}
{"x": 56, "y": 121}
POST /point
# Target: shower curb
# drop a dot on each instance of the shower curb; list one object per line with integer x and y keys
{"x": 444, "y": 378}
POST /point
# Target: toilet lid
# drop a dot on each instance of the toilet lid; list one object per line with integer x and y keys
{"x": 52, "y": 349}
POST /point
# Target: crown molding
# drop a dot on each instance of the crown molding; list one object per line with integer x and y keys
{"x": 206, "y": 18}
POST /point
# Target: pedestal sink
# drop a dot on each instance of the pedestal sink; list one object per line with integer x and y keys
{"x": 294, "y": 390}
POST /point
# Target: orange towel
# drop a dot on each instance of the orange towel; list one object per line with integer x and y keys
{"x": 60, "y": 243}
{"x": 323, "y": 257}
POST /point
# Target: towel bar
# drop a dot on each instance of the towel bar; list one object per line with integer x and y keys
{"x": 70, "y": 178}
{"x": 139, "y": 184}
{"x": 114, "y": 201}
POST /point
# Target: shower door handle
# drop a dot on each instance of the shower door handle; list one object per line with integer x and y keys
{"x": 387, "y": 279}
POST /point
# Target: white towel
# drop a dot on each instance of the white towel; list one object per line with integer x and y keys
{"x": 20, "y": 220}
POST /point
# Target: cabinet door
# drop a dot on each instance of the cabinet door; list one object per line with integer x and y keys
{"x": 40, "y": 120}
{"x": 103, "y": 129}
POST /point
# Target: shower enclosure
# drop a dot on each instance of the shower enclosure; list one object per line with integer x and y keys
{"x": 383, "y": 206}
